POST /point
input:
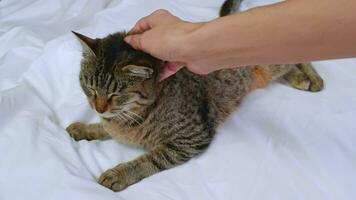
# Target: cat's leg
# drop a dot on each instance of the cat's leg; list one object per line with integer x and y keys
{"x": 304, "y": 77}
{"x": 261, "y": 76}
{"x": 160, "y": 158}
{"x": 81, "y": 131}
{"x": 278, "y": 71}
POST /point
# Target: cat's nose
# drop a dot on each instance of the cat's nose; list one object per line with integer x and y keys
{"x": 101, "y": 105}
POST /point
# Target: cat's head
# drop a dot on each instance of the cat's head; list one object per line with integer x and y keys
{"x": 117, "y": 79}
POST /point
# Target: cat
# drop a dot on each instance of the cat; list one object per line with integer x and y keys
{"x": 175, "y": 119}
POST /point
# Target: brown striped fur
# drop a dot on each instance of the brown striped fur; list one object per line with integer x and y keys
{"x": 173, "y": 120}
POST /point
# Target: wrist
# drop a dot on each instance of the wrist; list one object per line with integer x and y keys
{"x": 188, "y": 45}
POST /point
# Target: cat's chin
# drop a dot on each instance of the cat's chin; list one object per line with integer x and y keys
{"x": 107, "y": 115}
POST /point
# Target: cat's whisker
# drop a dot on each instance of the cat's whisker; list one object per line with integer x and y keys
{"x": 129, "y": 117}
{"x": 118, "y": 114}
{"x": 132, "y": 118}
{"x": 122, "y": 118}
{"x": 125, "y": 118}
{"x": 138, "y": 116}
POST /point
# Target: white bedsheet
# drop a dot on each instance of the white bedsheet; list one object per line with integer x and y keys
{"x": 281, "y": 144}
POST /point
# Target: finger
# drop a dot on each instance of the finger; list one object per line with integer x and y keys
{"x": 170, "y": 69}
{"x": 134, "y": 41}
{"x": 158, "y": 17}
{"x": 141, "y": 26}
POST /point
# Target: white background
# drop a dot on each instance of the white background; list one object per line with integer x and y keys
{"x": 281, "y": 144}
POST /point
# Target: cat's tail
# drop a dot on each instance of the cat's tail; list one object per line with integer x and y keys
{"x": 230, "y": 7}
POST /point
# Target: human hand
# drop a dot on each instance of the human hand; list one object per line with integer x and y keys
{"x": 164, "y": 36}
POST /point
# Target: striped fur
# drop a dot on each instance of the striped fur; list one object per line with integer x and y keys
{"x": 174, "y": 120}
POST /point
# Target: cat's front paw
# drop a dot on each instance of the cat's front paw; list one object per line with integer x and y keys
{"x": 113, "y": 180}
{"x": 77, "y": 131}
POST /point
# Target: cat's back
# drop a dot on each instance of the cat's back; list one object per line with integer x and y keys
{"x": 219, "y": 92}
{"x": 226, "y": 89}
{"x": 215, "y": 95}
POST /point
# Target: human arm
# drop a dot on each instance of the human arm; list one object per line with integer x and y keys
{"x": 288, "y": 32}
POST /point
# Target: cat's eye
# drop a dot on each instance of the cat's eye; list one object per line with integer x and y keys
{"x": 112, "y": 95}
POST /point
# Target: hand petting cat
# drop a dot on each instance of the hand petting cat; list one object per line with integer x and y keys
{"x": 161, "y": 27}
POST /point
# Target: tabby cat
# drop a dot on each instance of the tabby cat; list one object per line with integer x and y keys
{"x": 175, "y": 119}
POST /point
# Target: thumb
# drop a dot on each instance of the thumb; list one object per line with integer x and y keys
{"x": 134, "y": 41}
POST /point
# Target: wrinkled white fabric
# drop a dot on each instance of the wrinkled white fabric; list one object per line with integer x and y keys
{"x": 281, "y": 144}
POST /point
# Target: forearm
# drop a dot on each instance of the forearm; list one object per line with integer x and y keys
{"x": 288, "y": 32}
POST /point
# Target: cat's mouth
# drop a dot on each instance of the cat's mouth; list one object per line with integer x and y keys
{"x": 123, "y": 115}
{"x": 113, "y": 112}
{"x": 108, "y": 114}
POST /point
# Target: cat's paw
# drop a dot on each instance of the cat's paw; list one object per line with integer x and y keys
{"x": 317, "y": 84}
{"x": 77, "y": 131}
{"x": 113, "y": 180}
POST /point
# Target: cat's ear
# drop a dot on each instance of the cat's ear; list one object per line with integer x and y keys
{"x": 89, "y": 45}
{"x": 139, "y": 71}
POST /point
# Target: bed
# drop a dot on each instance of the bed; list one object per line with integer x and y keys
{"x": 281, "y": 144}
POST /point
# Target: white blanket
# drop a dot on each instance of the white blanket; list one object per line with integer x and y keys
{"x": 281, "y": 144}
